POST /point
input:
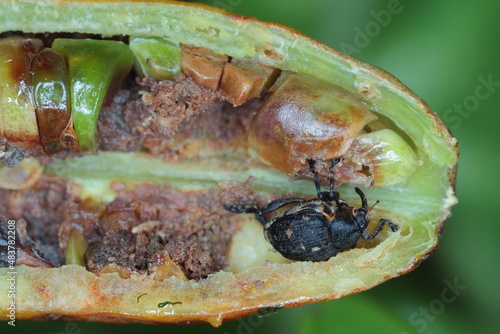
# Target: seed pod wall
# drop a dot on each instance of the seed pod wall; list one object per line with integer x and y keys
{"x": 127, "y": 127}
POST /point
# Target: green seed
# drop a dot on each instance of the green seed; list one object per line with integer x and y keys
{"x": 95, "y": 66}
{"x": 392, "y": 158}
{"x": 156, "y": 57}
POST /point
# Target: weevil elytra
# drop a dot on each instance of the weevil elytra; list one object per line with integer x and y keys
{"x": 316, "y": 229}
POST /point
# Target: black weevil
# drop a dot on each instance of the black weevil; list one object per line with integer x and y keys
{"x": 316, "y": 229}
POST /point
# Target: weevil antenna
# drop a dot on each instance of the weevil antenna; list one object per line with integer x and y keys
{"x": 371, "y": 208}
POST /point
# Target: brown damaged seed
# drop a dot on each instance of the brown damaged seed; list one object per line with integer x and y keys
{"x": 205, "y": 72}
{"x": 268, "y": 72}
{"x": 305, "y": 118}
{"x": 239, "y": 84}
{"x": 206, "y": 53}
{"x": 239, "y": 79}
{"x": 50, "y": 81}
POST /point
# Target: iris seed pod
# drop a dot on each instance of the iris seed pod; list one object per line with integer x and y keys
{"x": 166, "y": 163}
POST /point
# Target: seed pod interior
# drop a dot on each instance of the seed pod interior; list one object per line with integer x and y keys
{"x": 202, "y": 169}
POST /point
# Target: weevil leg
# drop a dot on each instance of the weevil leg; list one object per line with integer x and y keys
{"x": 382, "y": 222}
{"x": 247, "y": 208}
{"x": 311, "y": 163}
{"x": 333, "y": 195}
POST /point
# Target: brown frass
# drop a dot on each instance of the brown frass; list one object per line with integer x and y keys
{"x": 175, "y": 118}
{"x": 191, "y": 226}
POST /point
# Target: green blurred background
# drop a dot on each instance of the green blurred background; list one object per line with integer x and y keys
{"x": 448, "y": 52}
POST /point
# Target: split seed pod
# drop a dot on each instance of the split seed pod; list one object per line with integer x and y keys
{"x": 411, "y": 159}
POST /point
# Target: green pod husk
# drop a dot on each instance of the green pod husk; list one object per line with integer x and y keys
{"x": 419, "y": 205}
